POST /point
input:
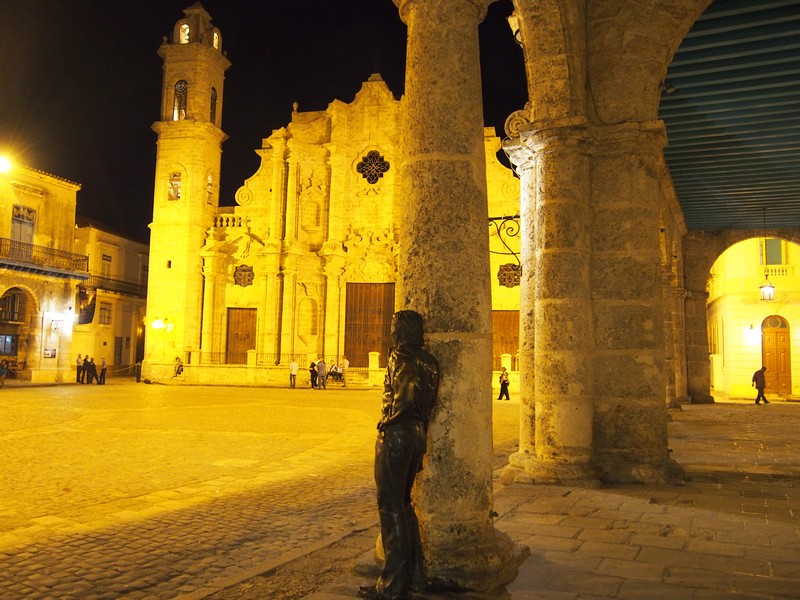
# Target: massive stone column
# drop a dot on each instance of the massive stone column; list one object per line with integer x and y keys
{"x": 594, "y": 301}
{"x": 555, "y": 307}
{"x": 444, "y": 274}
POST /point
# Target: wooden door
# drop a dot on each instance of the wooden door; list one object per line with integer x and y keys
{"x": 776, "y": 355}
{"x": 368, "y": 322}
{"x": 505, "y": 337}
{"x": 241, "y": 335}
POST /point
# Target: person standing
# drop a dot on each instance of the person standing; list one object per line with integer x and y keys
{"x": 91, "y": 374}
{"x": 293, "y": 368}
{"x": 504, "y": 385}
{"x": 79, "y": 369}
{"x": 312, "y": 371}
{"x": 760, "y": 382}
{"x": 322, "y": 374}
{"x": 344, "y": 366}
{"x": 85, "y": 369}
{"x": 3, "y": 372}
{"x": 411, "y": 388}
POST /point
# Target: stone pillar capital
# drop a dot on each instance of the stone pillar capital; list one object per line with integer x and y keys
{"x": 480, "y": 6}
{"x": 577, "y": 135}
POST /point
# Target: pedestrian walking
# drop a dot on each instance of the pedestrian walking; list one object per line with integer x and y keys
{"x": 760, "y": 382}
{"x": 293, "y": 368}
{"x": 103, "y": 365}
{"x": 322, "y": 375}
{"x": 504, "y": 385}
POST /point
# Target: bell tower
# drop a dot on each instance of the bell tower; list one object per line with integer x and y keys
{"x": 186, "y": 194}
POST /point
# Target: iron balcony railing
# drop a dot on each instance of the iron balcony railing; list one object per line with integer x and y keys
{"x": 116, "y": 286}
{"x": 24, "y": 256}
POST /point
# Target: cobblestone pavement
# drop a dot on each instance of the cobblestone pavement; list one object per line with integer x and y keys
{"x": 153, "y": 491}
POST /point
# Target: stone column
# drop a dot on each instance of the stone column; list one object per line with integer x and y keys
{"x": 556, "y": 308}
{"x": 215, "y": 277}
{"x": 444, "y": 275}
{"x": 628, "y": 306}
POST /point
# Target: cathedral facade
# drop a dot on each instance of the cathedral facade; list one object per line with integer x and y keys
{"x": 305, "y": 264}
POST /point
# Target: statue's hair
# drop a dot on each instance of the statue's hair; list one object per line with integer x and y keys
{"x": 407, "y": 328}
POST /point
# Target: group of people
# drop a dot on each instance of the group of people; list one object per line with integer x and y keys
{"x": 319, "y": 372}
{"x": 86, "y": 371}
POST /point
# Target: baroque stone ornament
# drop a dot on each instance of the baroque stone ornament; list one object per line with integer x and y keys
{"x": 508, "y": 275}
{"x": 372, "y": 166}
{"x": 243, "y": 275}
{"x": 518, "y": 120}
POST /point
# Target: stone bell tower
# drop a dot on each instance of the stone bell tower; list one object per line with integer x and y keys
{"x": 186, "y": 195}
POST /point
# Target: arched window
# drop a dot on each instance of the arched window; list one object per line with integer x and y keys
{"x": 181, "y": 95}
{"x": 216, "y": 40}
{"x": 213, "y": 117}
{"x": 174, "y": 186}
{"x": 209, "y": 189}
{"x": 183, "y": 33}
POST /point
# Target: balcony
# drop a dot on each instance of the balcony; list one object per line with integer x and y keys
{"x": 116, "y": 286}
{"x": 20, "y": 256}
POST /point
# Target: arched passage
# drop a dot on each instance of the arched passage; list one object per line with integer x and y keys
{"x": 723, "y": 311}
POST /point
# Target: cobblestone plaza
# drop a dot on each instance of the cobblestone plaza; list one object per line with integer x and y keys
{"x": 154, "y": 491}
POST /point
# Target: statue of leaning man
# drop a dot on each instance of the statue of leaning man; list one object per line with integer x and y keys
{"x": 411, "y": 387}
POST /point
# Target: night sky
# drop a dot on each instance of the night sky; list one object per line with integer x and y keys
{"x": 81, "y": 83}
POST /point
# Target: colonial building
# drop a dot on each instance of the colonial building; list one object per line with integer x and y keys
{"x": 305, "y": 264}
{"x": 753, "y": 313}
{"x": 110, "y": 304}
{"x": 39, "y": 272}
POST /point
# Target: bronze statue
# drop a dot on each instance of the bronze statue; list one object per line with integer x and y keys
{"x": 410, "y": 390}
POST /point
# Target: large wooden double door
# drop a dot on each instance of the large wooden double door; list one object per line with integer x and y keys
{"x": 368, "y": 322}
{"x": 776, "y": 355}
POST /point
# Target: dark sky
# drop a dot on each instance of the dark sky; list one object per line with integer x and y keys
{"x": 81, "y": 83}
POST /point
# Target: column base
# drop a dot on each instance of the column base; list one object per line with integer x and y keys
{"x": 523, "y": 468}
{"x": 665, "y": 473}
{"x": 484, "y": 568}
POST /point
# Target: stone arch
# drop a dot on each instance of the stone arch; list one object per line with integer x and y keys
{"x": 605, "y": 62}
{"x": 700, "y": 250}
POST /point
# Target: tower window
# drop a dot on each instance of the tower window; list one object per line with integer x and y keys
{"x": 174, "y": 186}
{"x": 183, "y": 34}
{"x": 209, "y": 190}
{"x": 216, "y": 40}
{"x": 179, "y": 106}
{"x": 213, "y": 117}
